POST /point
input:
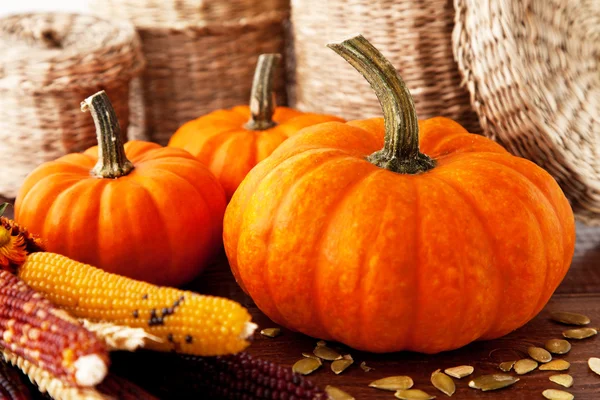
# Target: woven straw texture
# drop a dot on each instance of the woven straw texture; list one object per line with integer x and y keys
{"x": 49, "y": 63}
{"x": 415, "y": 35}
{"x": 200, "y": 55}
{"x": 533, "y": 71}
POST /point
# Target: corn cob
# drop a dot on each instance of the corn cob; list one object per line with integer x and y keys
{"x": 118, "y": 337}
{"x": 48, "y": 383}
{"x": 239, "y": 376}
{"x": 30, "y": 327}
{"x": 186, "y": 322}
{"x": 12, "y": 386}
{"x": 122, "y": 389}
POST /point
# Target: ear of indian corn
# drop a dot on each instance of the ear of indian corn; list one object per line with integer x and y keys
{"x": 122, "y": 389}
{"x": 238, "y": 376}
{"x": 46, "y": 382}
{"x": 186, "y": 322}
{"x": 32, "y": 328}
{"x": 12, "y": 386}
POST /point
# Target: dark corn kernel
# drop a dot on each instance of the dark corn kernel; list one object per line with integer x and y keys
{"x": 228, "y": 377}
{"x": 122, "y": 389}
{"x": 12, "y": 386}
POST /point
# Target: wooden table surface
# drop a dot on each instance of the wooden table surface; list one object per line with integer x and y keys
{"x": 579, "y": 292}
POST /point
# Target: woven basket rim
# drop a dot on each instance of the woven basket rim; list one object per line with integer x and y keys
{"x": 219, "y": 28}
{"x": 122, "y": 53}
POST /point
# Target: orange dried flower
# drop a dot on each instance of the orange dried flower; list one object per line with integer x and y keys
{"x": 15, "y": 243}
{"x": 12, "y": 249}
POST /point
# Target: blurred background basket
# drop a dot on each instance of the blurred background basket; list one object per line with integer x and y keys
{"x": 201, "y": 54}
{"x": 49, "y": 63}
{"x": 416, "y": 36}
{"x": 533, "y": 71}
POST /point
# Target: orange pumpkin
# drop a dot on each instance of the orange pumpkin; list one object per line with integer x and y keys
{"x": 156, "y": 218}
{"x": 231, "y": 142}
{"x": 393, "y": 249}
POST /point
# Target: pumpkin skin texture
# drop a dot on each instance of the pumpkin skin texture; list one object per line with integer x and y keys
{"x": 328, "y": 244}
{"x": 160, "y": 223}
{"x": 224, "y": 141}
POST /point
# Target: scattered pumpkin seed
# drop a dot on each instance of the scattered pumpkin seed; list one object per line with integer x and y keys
{"x": 308, "y": 355}
{"x": 339, "y": 366}
{"x": 337, "y": 394}
{"x": 553, "y": 394}
{"x": 492, "y": 382}
{"x": 507, "y": 365}
{"x": 558, "y": 346}
{"x": 525, "y": 365}
{"x": 321, "y": 343}
{"x": 443, "y": 383}
{"x": 555, "y": 365}
{"x": 565, "y": 380}
{"x": 271, "y": 332}
{"x": 413, "y": 394}
{"x": 569, "y": 318}
{"x": 307, "y": 365}
{"x": 460, "y": 371}
{"x": 326, "y": 353}
{"x": 594, "y": 364}
{"x": 393, "y": 383}
{"x": 364, "y": 367}
{"x": 539, "y": 354}
{"x": 580, "y": 333}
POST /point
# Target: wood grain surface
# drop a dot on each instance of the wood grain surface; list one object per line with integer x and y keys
{"x": 579, "y": 292}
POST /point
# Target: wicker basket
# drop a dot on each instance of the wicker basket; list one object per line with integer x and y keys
{"x": 201, "y": 54}
{"x": 415, "y": 35}
{"x": 49, "y": 63}
{"x": 533, "y": 71}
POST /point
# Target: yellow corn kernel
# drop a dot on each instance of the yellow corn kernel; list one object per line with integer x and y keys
{"x": 186, "y": 322}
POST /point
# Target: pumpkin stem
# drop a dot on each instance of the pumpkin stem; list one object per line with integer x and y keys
{"x": 400, "y": 152}
{"x": 262, "y": 97}
{"x": 112, "y": 161}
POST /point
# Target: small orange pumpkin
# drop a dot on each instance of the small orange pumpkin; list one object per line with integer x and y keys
{"x": 156, "y": 218}
{"x": 388, "y": 250}
{"x": 231, "y": 142}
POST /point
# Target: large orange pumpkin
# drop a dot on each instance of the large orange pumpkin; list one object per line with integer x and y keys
{"x": 231, "y": 142}
{"x": 156, "y": 218}
{"x": 393, "y": 249}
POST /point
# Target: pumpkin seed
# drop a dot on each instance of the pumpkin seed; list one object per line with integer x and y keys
{"x": 492, "y": 382}
{"x": 339, "y": 366}
{"x": 308, "y": 355}
{"x": 460, "y": 371}
{"x": 326, "y": 353}
{"x": 364, "y": 367}
{"x": 580, "y": 333}
{"x": 570, "y": 318}
{"x": 413, "y": 394}
{"x": 565, "y": 380}
{"x": 555, "y": 365}
{"x": 271, "y": 332}
{"x": 507, "y": 365}
{"x": 539, "y": 354}
{"x": 594, "y": 364}
{"x": 553, "y": 394}
{"x": 558, "y": 346}
{"x": 334, "y": 393}
{"x": 307, "y": 366}
{"x": 321, "y": 343}
{"x": 443, "y": 383}
{"x": 393, "y": 383}
{"x": 525, "y": 365}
